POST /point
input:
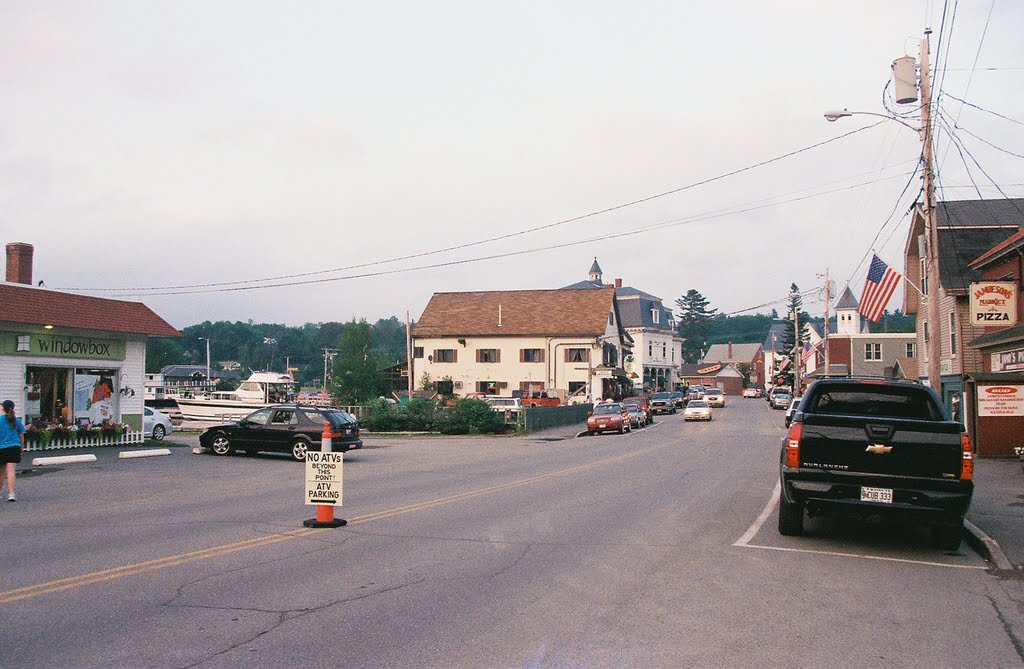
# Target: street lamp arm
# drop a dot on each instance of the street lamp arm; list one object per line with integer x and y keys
{"x": 835, "y": 115}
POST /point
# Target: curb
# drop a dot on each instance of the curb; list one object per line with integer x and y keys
{"x": 987, "y": 547}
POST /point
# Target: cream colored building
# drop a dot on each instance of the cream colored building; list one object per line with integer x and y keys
{"x": 569, "y": 343}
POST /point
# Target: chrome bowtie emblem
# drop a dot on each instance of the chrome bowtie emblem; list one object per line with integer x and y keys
{"x": 878, "y": 448}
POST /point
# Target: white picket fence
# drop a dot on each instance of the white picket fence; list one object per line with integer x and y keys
{"x": 90, "y": 441}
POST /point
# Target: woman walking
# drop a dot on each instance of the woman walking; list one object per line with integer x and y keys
{"x": 12, "y": 440}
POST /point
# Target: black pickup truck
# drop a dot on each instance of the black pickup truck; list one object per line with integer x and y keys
{"x": 876, "y": 447}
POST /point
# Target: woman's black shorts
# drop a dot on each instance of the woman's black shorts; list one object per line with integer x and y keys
{"x": 10, "y": 454}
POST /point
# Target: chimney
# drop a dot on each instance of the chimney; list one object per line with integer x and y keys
{"x": 730, "y": 351}
{"x": 618, "y": 283}
{"x": 19, "y": 263}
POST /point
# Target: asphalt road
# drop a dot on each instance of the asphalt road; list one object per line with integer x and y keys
{"x": 653, "y": 549}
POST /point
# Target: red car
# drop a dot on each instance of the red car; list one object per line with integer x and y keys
{"x": 610, "y": 417}
{"x": 642, "y": 402}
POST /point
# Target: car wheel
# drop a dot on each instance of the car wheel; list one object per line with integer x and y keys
{"x": 299, "y": 448}
{"x": 158, "y": 432}
{"x": 947, "y": 537}
{"x": 791, "y": 518}
{"x": 221, "y": 445}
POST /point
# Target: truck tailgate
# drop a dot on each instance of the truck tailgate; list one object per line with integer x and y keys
{"x": 887, "y": 446}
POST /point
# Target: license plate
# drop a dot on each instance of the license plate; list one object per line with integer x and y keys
{"x": 882, "y": 495}
{"x": 602, "y": 424}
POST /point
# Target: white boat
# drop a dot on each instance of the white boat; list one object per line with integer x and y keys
{"x": 259, "y": 390}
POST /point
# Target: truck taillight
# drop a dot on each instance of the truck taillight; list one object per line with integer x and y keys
{"x": 967, "y": 459}
{"x": 796, "y": 431}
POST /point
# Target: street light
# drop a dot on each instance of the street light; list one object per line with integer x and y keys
{"x": 907, "y": 92}
{"x": 834, "y": 115}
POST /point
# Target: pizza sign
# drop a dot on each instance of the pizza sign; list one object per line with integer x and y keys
{"x": 993, "y": 303}
{"x": 1001, "y": 400}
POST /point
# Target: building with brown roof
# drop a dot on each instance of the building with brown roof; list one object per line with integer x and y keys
{"x": 70, "y": 361}
{"x": 565, "y": 342}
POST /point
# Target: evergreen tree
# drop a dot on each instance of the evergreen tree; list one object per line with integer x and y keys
{"x": 788, "y": 343}
{"x": 694, "y": 323}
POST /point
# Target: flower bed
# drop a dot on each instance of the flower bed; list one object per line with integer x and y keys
{"x": 39, "y": 438}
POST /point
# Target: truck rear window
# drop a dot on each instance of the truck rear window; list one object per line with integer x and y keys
{"x": 887, "y": 402}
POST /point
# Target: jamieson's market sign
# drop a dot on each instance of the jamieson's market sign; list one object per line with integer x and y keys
{"x": 61, "y": 346}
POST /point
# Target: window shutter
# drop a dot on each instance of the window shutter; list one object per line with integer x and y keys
{"x": 586, "y": 355}
{"x": 478, "y": 355}
{"x": 455, "y": 355}
{"x": 497, "y": 355}
{"x": 542, "y": 353}
{"x": 566, "y": 352}
{"x": 435, "y": 355}
{"x": 522, "y": 355}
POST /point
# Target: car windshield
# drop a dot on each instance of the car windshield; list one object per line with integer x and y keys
{"x": 697, "y": 404}
{"x": 633, "y": 400}
{"x": 713, "y": 391}
{"x": 661, "y": 396}
{"x": 603, "y": 409}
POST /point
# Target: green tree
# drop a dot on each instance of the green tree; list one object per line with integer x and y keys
{"x": 694, "y": 323}
{"x": 789, "y": 343}
{"x": 357, "y": 376}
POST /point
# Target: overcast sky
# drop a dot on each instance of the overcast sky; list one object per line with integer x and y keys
{"x": 147, "y": 144}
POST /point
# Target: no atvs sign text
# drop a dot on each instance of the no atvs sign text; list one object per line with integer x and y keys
{"x": 323, "y": 478}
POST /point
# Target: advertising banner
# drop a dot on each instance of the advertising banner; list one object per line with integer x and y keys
{"x": 1001, "y": 400}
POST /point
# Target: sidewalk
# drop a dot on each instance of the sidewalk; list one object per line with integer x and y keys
{"x": 998, "y": 505}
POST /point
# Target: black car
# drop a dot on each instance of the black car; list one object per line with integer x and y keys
{"x": 284, "y": 428}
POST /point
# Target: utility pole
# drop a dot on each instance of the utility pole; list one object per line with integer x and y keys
{"x": 933, "y": 345}
{"x": 828, "y": 300}
{"x": 408, "y": 356}
{"x": 797, "y": 353}
{"x": 328, "y": 357}
{"x": 207, "y": 360}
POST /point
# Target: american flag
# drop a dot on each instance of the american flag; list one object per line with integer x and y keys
{"x": 809, "y": 351}
{"x": 878, "y": 288}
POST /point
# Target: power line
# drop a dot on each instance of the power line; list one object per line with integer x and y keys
{"x": 985, "y": 141}
{"x": 656, "y": 226}
{"x": 510, "y": 235}
{"x": 987, "y": 111}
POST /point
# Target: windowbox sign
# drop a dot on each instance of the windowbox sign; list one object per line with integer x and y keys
{"x": 49, "y": 345}
{"x": 993, "y": 303}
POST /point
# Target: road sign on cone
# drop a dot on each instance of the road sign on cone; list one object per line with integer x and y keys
{"x": 324, "y": 482}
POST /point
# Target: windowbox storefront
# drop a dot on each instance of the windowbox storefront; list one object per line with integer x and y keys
{"x": 74, "y": 390}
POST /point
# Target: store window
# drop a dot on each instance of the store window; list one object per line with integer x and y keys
{"x": 72, "y": 395}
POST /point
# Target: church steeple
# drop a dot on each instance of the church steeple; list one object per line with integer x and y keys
{"x": 595, "y": 272}
{"x": 848, "y": 319}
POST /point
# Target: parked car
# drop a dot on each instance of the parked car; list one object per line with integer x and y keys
{"x": 637, "y": 416}
{"x": 715, "y": 397}
{"x": 608, "y": 417}
{"x": 642, "y": 402}
{"x": 695, "y": 393}
{"x": 662, "y": 403}
{"x": 678, "y": 399}
{"x": 781, "y": 400}
{"x": 873, "y": 447}
{"x": 509, "y": 407}
{"x": 792, "y": 409}
{"x": 155, "y": 424}
{"x": 284, "y": 428}
{"x": 750, "y": 392}
{"x": 697, "y": 410}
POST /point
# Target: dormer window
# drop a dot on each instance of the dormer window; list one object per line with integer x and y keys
{"x": 655, "y": 315}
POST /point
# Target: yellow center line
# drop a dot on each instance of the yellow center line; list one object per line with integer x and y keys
{"x": 62, "y": 584}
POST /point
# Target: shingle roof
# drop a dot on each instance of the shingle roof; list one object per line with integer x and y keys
{"x": 778, "y": 328}
{"x": 585, "y": 285}
{"x": 635, "y": 310}
{"x": 740, "y": 353}
{"x": 969, "y": 228}
{"x": 995, "y": 250}
{"x": 523, "y": 312}
{"x": 847, "y": 301}
{"x": 37, "y": 306}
